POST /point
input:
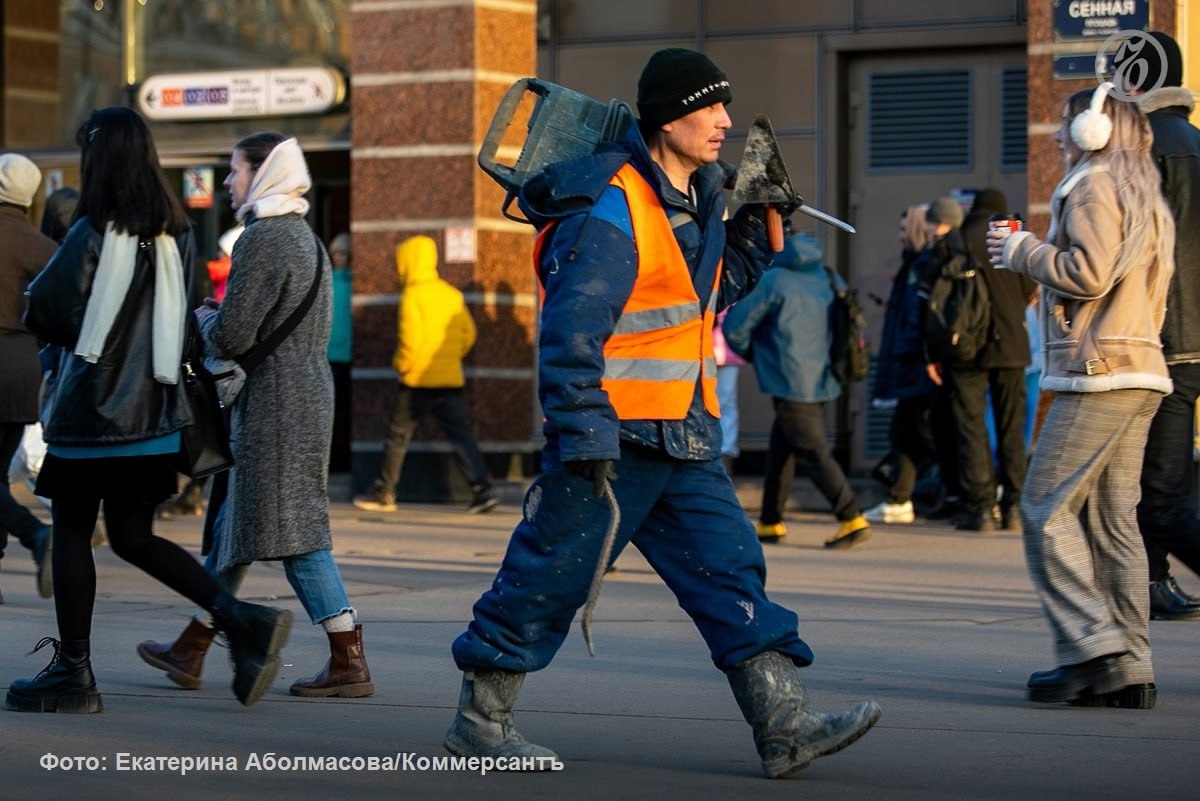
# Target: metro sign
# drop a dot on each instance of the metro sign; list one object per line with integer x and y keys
{"x": 280, "y": 92}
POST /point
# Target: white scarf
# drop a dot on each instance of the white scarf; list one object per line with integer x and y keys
{"x": 279, "y": 184}
{"x": 114, "y": 275}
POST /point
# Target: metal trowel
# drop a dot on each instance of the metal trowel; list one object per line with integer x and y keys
{"x": 763, "y": 178}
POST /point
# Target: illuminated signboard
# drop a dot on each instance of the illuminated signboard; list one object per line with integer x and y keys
{"x": 241, "y": 93}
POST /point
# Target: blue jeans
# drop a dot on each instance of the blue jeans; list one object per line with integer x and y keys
{"x": 685, "y": 519}
{"x": 727, "y": 401}
{"x": 314, "y": 576}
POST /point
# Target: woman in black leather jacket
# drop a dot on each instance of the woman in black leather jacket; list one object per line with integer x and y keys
{"x": 114, "y": 302}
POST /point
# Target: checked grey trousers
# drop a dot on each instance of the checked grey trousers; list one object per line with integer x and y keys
{"x": 1079, "y": 516}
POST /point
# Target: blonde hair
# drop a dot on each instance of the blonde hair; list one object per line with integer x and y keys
{"x": 1146, "y": 222}
{"x": 916, "y": 236}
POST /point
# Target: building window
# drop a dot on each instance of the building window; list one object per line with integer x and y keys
{"x": 919, "y": 121}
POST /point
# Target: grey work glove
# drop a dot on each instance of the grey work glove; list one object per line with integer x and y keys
{"x": 597, "y": 471}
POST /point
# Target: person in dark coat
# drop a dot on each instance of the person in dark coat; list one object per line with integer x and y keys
{"x": 999, "y": 370}
{"x": 23, "y": 254}
{"x": 1167, "y": 520}
{"x": 922, "y": 431}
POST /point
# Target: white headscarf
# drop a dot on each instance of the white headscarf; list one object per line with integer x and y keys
{"x": 114, "y": 275}
{"x": 279, "y": 184}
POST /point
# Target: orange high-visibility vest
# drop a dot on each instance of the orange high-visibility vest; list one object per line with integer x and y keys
{"x": 662, "y": 342}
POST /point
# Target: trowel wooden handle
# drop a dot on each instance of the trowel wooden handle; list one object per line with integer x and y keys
{"x": 775, "y": 228}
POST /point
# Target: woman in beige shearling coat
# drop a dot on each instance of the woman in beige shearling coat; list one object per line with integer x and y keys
{"x": 1104, "y": 271}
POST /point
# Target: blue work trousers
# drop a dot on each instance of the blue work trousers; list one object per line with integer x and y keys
{"x": 684, "y": 518}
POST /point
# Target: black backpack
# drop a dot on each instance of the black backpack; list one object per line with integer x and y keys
{"x": 849, "y": 350}
{"x": 958, "y": 321}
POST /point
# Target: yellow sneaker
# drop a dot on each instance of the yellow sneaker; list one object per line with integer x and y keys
{"x": 850, "y": 533}
{"x": 770, "y": 532}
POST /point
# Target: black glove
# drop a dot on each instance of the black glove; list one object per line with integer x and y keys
{"x": 597, "y": 471}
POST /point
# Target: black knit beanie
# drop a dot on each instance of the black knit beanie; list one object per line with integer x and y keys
{"x": 1171, "y": 71}
{"x": 676, "y": 82}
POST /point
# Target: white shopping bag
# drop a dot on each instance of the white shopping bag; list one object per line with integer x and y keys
{"x": 27, "y": 461}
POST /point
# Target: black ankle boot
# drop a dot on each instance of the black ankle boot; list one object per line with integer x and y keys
{"x": 65, "y": 685}
{"x": 1098, "y": 676}
{"x": 256, "y": 634}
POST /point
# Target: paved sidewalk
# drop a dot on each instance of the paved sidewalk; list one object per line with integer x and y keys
{"x": 939, "y": 626}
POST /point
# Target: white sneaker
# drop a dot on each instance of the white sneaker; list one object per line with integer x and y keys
{"x": 891, "y": 513}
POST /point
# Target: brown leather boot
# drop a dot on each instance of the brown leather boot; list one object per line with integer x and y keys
{"x": 182, "y": 659}
{"x": 345, "y": 675}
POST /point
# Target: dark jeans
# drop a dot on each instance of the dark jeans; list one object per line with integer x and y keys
{"x": 799, "y": 431}
{"x": 913, "y": 445}
{"x": 15, "y": 519}
{"x": 449, "y": 410}
{"x": 1165, "y": 516}
{"x": 968, "y": 393}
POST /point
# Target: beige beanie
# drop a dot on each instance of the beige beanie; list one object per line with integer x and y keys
{"x": 19, "y": 180}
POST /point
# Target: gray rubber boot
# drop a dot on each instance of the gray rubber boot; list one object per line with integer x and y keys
{"x": 787, "y": 734}
{"x": 484, "y": 723}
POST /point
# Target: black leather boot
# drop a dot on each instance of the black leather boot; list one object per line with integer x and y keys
{"x": 65, "y": 685}
{"x": 1099, "y": 676}
{"x": 256, "y": 634}
{"x": 1177, "y": 591}
{"x": 1167, "y": 604}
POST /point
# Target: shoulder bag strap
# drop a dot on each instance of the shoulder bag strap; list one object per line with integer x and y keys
{"x": 257, "y": 354}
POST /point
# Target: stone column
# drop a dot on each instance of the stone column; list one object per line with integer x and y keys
{"x": 426, "y": 79}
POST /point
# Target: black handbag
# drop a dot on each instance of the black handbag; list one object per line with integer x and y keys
{"x": 204, "y": 445}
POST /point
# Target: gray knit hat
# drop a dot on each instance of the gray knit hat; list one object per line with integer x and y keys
{"x": 19, "y": 180}
{"x": 945, "y": 210}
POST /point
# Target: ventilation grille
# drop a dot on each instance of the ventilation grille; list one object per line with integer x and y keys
{"x": 1014, "y": 143}
{"x": 919, "y": 121}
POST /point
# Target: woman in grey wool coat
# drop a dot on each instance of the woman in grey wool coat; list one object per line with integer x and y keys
{"x": 282, "y": 419}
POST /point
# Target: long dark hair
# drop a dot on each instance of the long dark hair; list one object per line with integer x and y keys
{"x": 120, "y": 178}
{"x": 257, "y": 146}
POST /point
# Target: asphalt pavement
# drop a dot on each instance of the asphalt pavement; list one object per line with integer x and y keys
{"x": 940, "y": 627}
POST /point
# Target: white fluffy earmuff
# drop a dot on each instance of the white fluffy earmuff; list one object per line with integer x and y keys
{"x": 1092, "y": 128}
